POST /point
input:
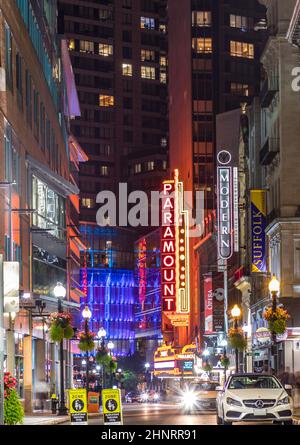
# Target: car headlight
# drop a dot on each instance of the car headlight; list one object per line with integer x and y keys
{"x": 284, "y": 401}
{"x": 189, "y": 399}
{"x": 233, "y": 402}
{"x": 145, "y": 396}
{"x": 156, "y": 396}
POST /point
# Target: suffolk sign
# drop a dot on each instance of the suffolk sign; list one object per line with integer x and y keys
{"x": 258, "y": 231}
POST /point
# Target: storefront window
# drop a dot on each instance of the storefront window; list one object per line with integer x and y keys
{"x": 50, "y": 208}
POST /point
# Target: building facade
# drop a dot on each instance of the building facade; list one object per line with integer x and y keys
{"x": 214, "y": 66}
{"x": 35, "y": 185}
{"x": 119, "y": 55}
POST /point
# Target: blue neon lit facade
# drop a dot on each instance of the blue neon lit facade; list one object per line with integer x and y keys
{"x": 148, "y": 293}
{"x": 107, "y": 279}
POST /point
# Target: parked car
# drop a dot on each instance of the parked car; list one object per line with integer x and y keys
{"x": 199, "y": 397}
{"x": 253, "y": 397}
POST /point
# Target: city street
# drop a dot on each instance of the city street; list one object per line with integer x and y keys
{"x": 159, "y": 414}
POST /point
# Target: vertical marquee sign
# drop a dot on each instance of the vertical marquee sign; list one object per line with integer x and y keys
{"x": 227, "y": 206}
{"x": 258, "y": 231}
{"x": 175, "y": 253}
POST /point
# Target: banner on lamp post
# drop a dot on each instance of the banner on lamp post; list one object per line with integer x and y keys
{"x": 11, "y": 286}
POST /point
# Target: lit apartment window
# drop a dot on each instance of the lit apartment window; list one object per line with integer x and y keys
{"x": 85, "y": 46}
{"x": 147, "y": 55}
{"x": 163, "y": 77}
{"x": 148, "y": 72}
{"x": 163, "y": 28}
{"x": 201, "y": 18}
{"x": 241, "y": 22}
{"x": 150, "y": 166}
{"x": 88, "y": 203}
{"x": 202, "y": 45}
{"x": 71, "y": 44}
{"x": 106, "y": 100}
{"x": 137, "y": 168}
{"x": 163, "y": 142}
{"x": 239, "y": 88}
{"x": 104, "y": 170}
{"x": 164, "y": 165}
{"x": 241, "y": 49}
{"x": 202, "y": 106}
{"x": 126, "y": 69}
{"x": 147, "y": 23}
{"x": 105, "y": 49}
{"x": 163, "y": 61}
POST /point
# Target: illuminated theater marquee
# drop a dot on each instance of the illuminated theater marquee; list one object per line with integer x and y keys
{"x": 174, "y": 251}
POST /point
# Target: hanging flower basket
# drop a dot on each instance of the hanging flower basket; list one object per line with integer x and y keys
{"x": 60, "y": 326}
{"x": 207, "y": 367}
{"x": 224, "y": 361}
{"x": 276, "y": 319}
{"x": 86, "y": 341}
{"x": 13, "y": 409}
{"x": 236, "y": 339}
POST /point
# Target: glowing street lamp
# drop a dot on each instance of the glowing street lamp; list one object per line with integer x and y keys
{"x": 87, "y": 315}
{"x": 274, "y": 288}
{"x": 236, "y": 313}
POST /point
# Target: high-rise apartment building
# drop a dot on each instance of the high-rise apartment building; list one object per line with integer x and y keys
{"x": 213, "y": 68}
{"x": 118, "y": 50}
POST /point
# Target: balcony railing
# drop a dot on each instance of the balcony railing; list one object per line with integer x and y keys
{"x": 269, "y": 151}
{"x": 269, "y": 88}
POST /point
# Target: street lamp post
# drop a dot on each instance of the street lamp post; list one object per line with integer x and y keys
{"x": 147, "y": 366}
{"x": 101, "y": 336}
{"x": 224, "y": 345}
{"x": 236, "y": 313}
{"x": 111, "y": 346}
{"x": 274, "y": 287}
{"x": 86, "y": 315}
{"x": 60, "y": 293}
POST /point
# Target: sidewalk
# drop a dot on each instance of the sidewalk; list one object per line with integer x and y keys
{"x": 49, "y": 419}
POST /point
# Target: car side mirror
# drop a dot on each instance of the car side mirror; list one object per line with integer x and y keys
{"x": 219, "y": 388}
{"x": 288, "y": 387}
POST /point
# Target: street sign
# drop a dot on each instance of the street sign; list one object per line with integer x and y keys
{"x": 112, "y": 407}
{"x": 78, "y": 406}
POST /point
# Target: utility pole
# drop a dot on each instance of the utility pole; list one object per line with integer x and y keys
{"x": 225, "y": 297}
{"x": 1, "y": 342}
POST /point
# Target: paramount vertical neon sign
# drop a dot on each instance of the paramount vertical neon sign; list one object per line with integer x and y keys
{"x": 174, "y": 251}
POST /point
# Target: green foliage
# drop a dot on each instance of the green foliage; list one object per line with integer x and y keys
{"x": 278, "y": 326}
{"x": 13, "y": 409}
{"x": 86, "y": 345}
{"x": 225, "y": 362}
{"x": 68, "y": 332}
{"x": 207, "y": 367}
{"x": 130, "y": 380}
{"x": 56, "y": 332}
{"x": 237, "y": 341}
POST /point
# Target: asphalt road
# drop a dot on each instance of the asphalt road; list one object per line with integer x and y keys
{"x": 159, "y": 414}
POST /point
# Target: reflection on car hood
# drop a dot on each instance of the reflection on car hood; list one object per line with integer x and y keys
{"x": 256, "y": 393}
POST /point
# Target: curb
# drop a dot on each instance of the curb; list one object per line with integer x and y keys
{"x": 58, "y": 420}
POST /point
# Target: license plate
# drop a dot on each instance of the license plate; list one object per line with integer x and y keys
{"x": 260, "y": 412}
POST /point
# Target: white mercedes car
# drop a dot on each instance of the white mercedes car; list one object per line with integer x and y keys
{"x": 253, "y": 397}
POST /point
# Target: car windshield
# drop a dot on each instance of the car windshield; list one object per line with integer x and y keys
{"x": 205, "y": 386}
{"x": 250, "y": 382}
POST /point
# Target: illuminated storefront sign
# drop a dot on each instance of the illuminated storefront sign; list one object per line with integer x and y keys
{"x": 258, "y": 231}
{"x": 174, "y": 253}
{"x": 208, "y": 308}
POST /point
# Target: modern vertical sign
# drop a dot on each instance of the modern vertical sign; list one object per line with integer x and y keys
{"x": 258, "y": 231}
{"x": 225, "y": 206}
